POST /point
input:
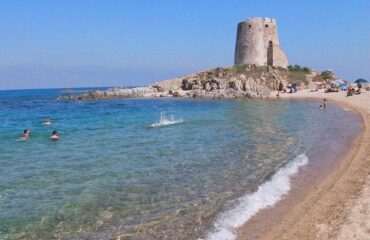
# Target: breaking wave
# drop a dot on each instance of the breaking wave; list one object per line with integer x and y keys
{"x": 166, "y": 120}
{"x": 267, "y": 195}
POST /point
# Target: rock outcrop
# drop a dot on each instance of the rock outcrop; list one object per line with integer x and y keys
{"x": 234, "y": 87}
{"x": 117, "y": 92}
{"x": 243, "y": 81}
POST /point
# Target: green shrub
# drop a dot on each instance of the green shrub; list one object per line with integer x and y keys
{"x": 240, "y": 68}
{"x": 327, "y": 75}
{"x": 297, "y": 68}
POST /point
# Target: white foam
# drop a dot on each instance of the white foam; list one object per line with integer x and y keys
{"x": 267, "y": 195}
{"x": 166, "y": 120}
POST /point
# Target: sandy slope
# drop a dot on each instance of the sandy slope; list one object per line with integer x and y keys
{"x": 339, "y": 208}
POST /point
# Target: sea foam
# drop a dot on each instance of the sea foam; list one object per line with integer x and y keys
{"x": 267, "y": 195}
{"x": 166, "y": 120}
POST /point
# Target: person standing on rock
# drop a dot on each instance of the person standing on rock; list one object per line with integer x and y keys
{"x": 280, "y": 89}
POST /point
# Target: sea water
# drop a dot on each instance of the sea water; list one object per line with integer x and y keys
{"x": 153, "y": 168}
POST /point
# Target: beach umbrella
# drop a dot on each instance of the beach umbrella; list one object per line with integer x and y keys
{"x": 334, "y": 83}
{"x": 343, "y": 86}
{"x": 361, "y": 80}
{"x": 339, "y": 81}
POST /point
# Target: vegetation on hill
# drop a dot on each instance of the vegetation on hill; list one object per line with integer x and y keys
{"x": 294, "y": 73}
{"x": 297, "y": 68}
{"x": 325, "y": 76}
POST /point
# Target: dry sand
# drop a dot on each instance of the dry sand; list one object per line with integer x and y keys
{"x": 339, "y": 207}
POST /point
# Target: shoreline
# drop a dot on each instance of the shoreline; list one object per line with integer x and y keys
{"x": 325, "y": 211}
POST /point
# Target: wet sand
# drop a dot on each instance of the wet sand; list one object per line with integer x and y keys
{"x": 333, "y": 203}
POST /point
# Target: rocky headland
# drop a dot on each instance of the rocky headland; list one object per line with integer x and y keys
{"x": 241, "y": 81}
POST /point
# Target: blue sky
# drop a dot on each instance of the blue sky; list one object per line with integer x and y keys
{"x": 47, "y": 44}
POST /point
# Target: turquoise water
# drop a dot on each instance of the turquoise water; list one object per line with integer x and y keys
{"x": 147, "y": 168}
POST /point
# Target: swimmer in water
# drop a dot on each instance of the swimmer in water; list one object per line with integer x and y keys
{"x": 321, "y": 107}
{"x": 325, "y": 101}
{"x": 47, "y": 122}
{"x": 26, "y": 134}
{"x": 55, "y": 135}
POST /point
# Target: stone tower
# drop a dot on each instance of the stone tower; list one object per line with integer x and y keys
{"x": 257, "y": 43}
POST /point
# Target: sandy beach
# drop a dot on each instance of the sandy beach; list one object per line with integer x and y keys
{"x": 339, "y": 206}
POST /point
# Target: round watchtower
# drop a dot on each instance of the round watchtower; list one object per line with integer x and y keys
{"x": 257, "y": 43}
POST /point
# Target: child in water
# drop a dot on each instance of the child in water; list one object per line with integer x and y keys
{"x": 55, "y": 135}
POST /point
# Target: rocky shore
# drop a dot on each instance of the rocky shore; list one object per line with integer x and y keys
{"x": 242, "y": 81}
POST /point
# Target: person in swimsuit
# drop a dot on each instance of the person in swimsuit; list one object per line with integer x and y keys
{"x": 324, "y": 102}
{"x": 47, "y": 122}
{"x": 55, "y": 135}
{"x": 26, "y": 134}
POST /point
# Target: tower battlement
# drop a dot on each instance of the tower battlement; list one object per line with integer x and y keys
{"x": 257, "y": 43}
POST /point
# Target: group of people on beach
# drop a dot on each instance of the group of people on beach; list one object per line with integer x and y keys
{"x": 351, "y": 90}
{"x": 27, "y": 133}
{"x": 282, "y": 89}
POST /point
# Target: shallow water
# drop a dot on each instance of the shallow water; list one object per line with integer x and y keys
{"x": 148, "y": 168}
